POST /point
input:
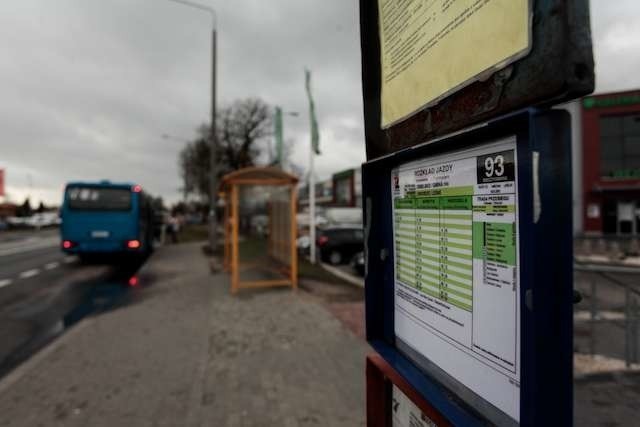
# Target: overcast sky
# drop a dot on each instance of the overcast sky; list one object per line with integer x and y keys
{"x": 89, "y": 86}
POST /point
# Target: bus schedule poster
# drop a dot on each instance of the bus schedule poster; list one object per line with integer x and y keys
{"x": 456, "y": 252}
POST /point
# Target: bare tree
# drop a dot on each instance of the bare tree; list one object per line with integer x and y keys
{"x": 241, "y": 126}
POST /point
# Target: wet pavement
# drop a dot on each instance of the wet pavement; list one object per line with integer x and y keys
{"x": 184, "y": 352}
{"x": 34, "y": 313}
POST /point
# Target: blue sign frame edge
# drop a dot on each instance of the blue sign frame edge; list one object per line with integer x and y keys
{"x": 546, "y": 319}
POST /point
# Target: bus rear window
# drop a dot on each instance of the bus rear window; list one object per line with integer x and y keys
{"x": 100, "y": 199}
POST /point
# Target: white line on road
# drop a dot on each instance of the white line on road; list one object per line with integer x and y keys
{"x": 28, "y": 245}
{"x": 51, "y": 265}
{"x": 69, "y": 259}
{"x": 29, "y": 273}
{"x": 5, "y": 282}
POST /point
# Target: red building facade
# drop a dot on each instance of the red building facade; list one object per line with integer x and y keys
{"x": 611, "y": 163}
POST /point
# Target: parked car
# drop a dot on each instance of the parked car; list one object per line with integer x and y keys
{"x": 357, "y": 262}
{"x": 42, "y": 220}
{"x": 338, "y": 244}
{"x": 303, "y": 243}
{"x": 259, "y": 225}
{"x": 342, "y": 216}
{"x": 16, "y": 222}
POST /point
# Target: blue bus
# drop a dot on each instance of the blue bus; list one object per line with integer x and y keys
{"x": 101, "y": 218}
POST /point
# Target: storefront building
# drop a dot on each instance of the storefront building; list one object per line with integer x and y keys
{"x": 347, "y": 188}
{"x": 609, "y": 141}
{"x": 343, "y": 189}
{"x": 323, "y": 192}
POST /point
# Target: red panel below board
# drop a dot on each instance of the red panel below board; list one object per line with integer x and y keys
{"x": 391, "y": 401}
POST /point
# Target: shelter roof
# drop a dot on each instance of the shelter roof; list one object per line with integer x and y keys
{"x": 259, "y": 175}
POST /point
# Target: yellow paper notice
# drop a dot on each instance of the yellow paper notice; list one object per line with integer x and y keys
{"x": 429, "y": 48}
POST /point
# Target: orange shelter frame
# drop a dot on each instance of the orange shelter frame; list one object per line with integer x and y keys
{"x": 282, "y": 225}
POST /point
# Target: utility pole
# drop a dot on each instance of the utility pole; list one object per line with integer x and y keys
{"x": 213, "y": 160}
{"x": 314, "y": 149}
{"x": 312, "y": 208}
{"x": 214, "y": 146}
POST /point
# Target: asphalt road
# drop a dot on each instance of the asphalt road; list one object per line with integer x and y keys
{"x": 43, "y": 291}
{"x": 28, "y": 255}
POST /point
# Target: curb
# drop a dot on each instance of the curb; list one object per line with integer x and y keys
{"x": 631, "y": 263}
{"x": 34, "y": 361}
{"x": 353, "y": 280}
{"x": 607, "y": 376}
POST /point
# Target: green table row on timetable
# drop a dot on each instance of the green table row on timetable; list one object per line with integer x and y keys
{"x": 405, "y": 215}
{"x": 464, "y": 302}
{"x": 455, "y": 275}
{"x": 443, "y": 241}
{"x": 442, "y": 202}
{"x": 446, "y": 256}
{"x": 462, "y": 280}
{"x": 443, "y": 225}
{"x": 442, "y": 262}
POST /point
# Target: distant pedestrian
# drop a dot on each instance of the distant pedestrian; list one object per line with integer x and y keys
{"x": 172, "y": 228}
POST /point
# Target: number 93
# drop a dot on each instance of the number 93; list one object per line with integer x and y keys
{"x": 494, "y": 166}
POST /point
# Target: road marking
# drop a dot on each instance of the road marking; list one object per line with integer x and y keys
{"x": 69, "y": 259}
{"x": 51, "y": 265}
{"x": 28, "y": 245}
{"x": 29, "y": 273}
{"x": 5, "y": 282}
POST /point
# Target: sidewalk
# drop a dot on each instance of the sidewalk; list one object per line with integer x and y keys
{"x": 186, "y": 353}
{"x": 607, "y": 399}
{"x": 608, "y": 260}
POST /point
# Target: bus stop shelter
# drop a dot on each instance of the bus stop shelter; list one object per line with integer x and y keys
{"x": 277, "y": 263}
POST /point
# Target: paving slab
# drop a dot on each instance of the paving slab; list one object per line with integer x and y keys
{"x": 184, "y": 352}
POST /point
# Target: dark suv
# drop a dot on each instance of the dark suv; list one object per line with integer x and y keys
{"x": 338, "y": 244}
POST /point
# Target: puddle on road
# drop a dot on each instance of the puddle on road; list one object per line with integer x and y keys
{"x": 78, "y": 301}
{"x": 104, "y": 295}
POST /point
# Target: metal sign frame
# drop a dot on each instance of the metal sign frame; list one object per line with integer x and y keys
{"x": 559, "y": 67}
{"x": 545, "y": 233}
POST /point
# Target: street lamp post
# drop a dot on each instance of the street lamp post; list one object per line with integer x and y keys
{"x": 213, "y": 160}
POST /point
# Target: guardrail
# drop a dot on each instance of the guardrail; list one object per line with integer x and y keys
{"x": 631, "y": 319}
{"x": 608, "y": 244}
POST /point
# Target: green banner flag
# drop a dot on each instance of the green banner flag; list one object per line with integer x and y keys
{"x": 278, "y": 136}
{"x": 315, "y": 135}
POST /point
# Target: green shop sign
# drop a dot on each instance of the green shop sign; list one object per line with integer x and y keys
{"x": 624, "y": 174}
{"x": 613, "y": 101}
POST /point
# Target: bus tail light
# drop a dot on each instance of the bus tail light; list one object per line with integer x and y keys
{"x": 133, "y": 281}
{"x": 137, "y": 189}
{"x": 67, "y": 244}
{"x": 133, "y": 244}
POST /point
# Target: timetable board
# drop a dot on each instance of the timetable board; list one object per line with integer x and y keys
{"x": 456, "y": 252}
